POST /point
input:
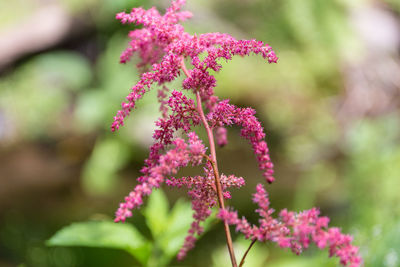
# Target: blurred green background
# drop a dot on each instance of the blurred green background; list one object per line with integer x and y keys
{"x": 330, "y": 107}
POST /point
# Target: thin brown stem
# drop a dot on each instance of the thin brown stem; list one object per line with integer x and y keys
{"x": 222, "y": 206}
{"x": 247, "y": 251}
{"x": 217, "y": 182}
{"x": 213, "y": 161}
{"x": 217, "y": 179}
{"x": 208, "y": 129}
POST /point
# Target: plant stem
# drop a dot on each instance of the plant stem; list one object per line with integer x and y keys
{"x": 213, "y": 161}
{"x": 247, "y": 251}
{"x": 217, "y": 181}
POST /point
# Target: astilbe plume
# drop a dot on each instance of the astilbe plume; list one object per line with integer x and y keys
{"x": 163, "y": 47}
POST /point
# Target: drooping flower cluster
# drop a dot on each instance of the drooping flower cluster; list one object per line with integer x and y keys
{"x": 180, "y": 156}
{"x": 164, "y": 48}
{"x": 225, "y": 114}
{"x": 294, "y": 230}
{"x": 163, "y": 44}
{"x": 203, "y": 193}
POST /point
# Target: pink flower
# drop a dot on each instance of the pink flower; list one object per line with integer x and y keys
{"x": 162, "y": 43}
{"x": 295, "y": 230}
{"x": 225, "y": 114}
{"x": 180, "y": 156}
{"x": 163, "y": 47}
{"x": 221, "y": 136}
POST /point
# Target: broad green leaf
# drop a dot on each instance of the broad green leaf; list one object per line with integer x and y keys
{"x": 177, "y": 227}
{"x": 103, "y": 234}
{"x": 156, "y": 213}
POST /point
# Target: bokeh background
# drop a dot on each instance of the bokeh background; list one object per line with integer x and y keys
{"x": 330, "y": 107}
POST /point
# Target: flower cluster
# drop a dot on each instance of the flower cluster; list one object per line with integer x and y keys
{"x": 163, "y": 44}
{"x": 227, "y": 114}
{"x": 180, "y": 156}
{"x": 203, "y": 193}
{"x": 164, "y": 49}
{"x": 295, "y": 231}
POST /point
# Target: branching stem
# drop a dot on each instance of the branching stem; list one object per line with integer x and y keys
{"x": 247, "y": 251}
{"x": 213, "y": 161}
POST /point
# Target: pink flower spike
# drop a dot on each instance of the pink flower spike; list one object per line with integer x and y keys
{"x": 295, "y": 231}
{"x": 163, "y": 49}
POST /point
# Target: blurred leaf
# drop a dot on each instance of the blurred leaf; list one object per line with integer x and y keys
{"x": 156, "y": 213}
{"x": 395, "y": 4}
{"x": 96, "y": 107}
{"x": 36, "y": 97}
{"x": 384, "y": 242}
{"x": 100, "y": 171}
{"x": 116, "y": 78}
{"x": 103, "y": 234}
{"x": 304, "y": 261}
{"x": 373, "y": 172}
{"x": 257, "y": 256}
{"x": 169, "y": 228}
{"x": 178, "y": 224}
{"x": 91, "y": 111}
{"x": 68, "y": 69}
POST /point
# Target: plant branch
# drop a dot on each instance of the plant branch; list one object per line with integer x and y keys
{"x": 247, "y": 251}
{"x": 213, "y": 161}
{"x": 217, "y": 182}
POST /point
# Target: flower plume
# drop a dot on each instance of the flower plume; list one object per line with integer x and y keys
{"x": 164, "y": 49}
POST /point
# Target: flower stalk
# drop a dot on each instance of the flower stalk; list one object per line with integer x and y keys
{"x": 213, "y": 161}
{"x": 247, "y": 251}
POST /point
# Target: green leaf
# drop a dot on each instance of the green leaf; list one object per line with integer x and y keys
{"x": 177, "y": 225}
{"x": 156, "y": 213}
{"x": 103, "y": 234}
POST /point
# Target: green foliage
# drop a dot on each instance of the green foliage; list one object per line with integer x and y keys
{"x": 64, "y": 68}
{"x": 395, "y": 4}
{"x": 104, "y": 234}
{"x": 351, "y": 173}
{"x": 36, "y": 96}
{"x": 303, "y": 261}
{"x": 108, "y": 157}
{"x": 257, "y": 256}
{"x": 96, "y": 105}
{"x": 168, "y": 229}
{"x": 373, "y": 170}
